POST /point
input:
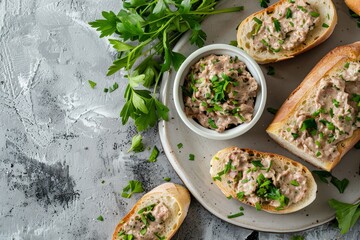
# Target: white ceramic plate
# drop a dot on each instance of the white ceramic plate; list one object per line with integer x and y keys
{"x": 289, "y": 74}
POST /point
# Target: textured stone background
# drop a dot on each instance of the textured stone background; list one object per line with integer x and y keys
{"x": 63, "y": 151}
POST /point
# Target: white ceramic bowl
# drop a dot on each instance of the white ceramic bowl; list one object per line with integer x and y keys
{"x": 252, "y": 66}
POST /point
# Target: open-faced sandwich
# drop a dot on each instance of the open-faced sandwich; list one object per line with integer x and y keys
{"x": 267, "y": 181}
{"x": 157, "y": 215}
{"x": 286, "y": 29}
{"x": 320, "y": 121}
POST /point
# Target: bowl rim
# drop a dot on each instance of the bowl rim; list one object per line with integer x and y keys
{"x": 254, "y": 69}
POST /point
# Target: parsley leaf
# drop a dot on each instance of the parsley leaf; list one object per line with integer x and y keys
{"x": 271, "y": 71}
{"x": 132, "y": 187}
{"x": 92, "y": 84}
{"x": 136, "y": 144}
{"x": 154, "y": 154}
{"x": 264, "y": 3}
{"x": 339, "y": 184}
{"x": 272, "y": 110}
{"x": 100, "y": 218}
{"x": 346, "y": 214}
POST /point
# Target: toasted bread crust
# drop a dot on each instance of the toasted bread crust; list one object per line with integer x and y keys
{"x": 278, "y": 161}
{"x": 315, "y": 37}
{"x": 331, "y": 62}
{"x": 175, "y": 191}
{"x": 354, "y": 5}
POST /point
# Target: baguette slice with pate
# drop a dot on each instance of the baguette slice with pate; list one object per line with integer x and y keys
{"x": 267, "y": 181}
{"x": 320, "y": 120}
{"x": 157, "y": 215}
{"x": 286, "y": 29}
{"x": 354, "y": 5}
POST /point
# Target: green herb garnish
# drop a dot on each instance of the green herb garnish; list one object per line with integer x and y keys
{"x": 212, "y": 123}
{"x": 92, "y": 84}
{"x": 154, "y": 154}
{"x": 264, "y": 3}
{"x": 288, "y": 13}
{"x": 315, "y": 14}
{"x": 100, "y": 218}
{"x": 257, "y": 163}
{"x": 136, "y": 144}
{"x": 324, "y": 25}
{"x": 191, "y": 157}
{"x": 308, "y": 124}
{"x": 271, "y": 70}
{"x": 339, "y": 184}
{"x": 277, "y": 25}
{"x": 258, "y": 206}
{"x": 132, "y": 187}
{"x": 346, "y": 214}
{"x": 239, "y": 214}
{"x": 295, "y": 135}
{"x": 336, "y": 103}
{"x": 294, "y": 183}
{"x": 272, "y": 110}
{"x": 167, "y": 179}
{"x": 179, "y": 145}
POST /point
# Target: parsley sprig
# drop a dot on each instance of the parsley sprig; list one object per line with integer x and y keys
{"x": 346, "y": 214}
{"x": 149, "y": 28}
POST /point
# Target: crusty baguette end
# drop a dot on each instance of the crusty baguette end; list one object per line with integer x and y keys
{"x": 177, "y": 199}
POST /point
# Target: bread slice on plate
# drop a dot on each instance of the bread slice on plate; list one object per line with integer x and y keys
{"x": 286, "y": 28}
{"x": 320, "y": 120}
{"x": 354, "y": 5}
{"x": 267, "y": 181}
{"x": 157, "y": 215}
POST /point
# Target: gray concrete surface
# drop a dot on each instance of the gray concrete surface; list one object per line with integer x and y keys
{"x": 63, "y": 158}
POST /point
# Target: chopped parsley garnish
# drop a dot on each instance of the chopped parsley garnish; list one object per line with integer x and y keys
{"x": 136, "y": 144}
{"x": 212, "y": 123}
{"x": 159, "y": 237}
{"x": 257, "y": 163}
{"x": 143, "y": 231}
{"x": 154, "y": 154}
{"x": 295, "y": 135}
{"x": 317, "y": 112}
{"x": 233, "y": 43}
{"x": 297, "y": 237}
{"x": 339, "y": 184}
{"x": 308, "y": 124}
{"x": 288, "y": 13}
{"x": 347, "y": 64}
{"x": 266, "y": 189}
{"x": 302, "y": 8}
{"x": 179, "y": 145}
{"x": 191, "y": 157}
{"x": 264, "y": 3}
{"x": 258, "y": 206}
{"x": 167, "y": 179}
{"x": 294, "y": 183}
{"x": 271, "y": 70}
{"x": 147, "y": 208}
{"x": 239, "y": 214}
{"x": 277, "y": 25}
{"x": 100, "y": 218}
{"x": 336, "y": 103}
{"x": 92, "y": 84}
{"x": 318, "y": 154}
{"x": 114, "y": 87}
{"x": 132, "y": 187}
{"x": 314, "y": 14}
{"x": 272, "y": 110}
{"x": 324, "y": 25}
{"x": 240, "y": 195}
{"x": 346, "y": 214}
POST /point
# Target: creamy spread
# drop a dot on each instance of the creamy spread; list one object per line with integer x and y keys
{"x": 329, "y": 116}
{"x": 219, "y": 92}
{"x": 257, "y": 181}
{"x": 147, "y": 223}
{"x": 285, "y": 28}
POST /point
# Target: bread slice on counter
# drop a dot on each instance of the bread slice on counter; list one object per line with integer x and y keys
{"x": 157, "y": 215}
{"x": 252, "y": 34}
{"x": 267, "y": 181}
{"x": 320, "y": 120}
{"x": 354, "y": 5}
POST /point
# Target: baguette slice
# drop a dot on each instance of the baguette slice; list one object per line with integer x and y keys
{"x": 331, "y": 63}
{"x": 354, "y": 5}
{"x": 319, "y": 34}
{"x": 177, "y": 200}
{"x": 278, "y": 165}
